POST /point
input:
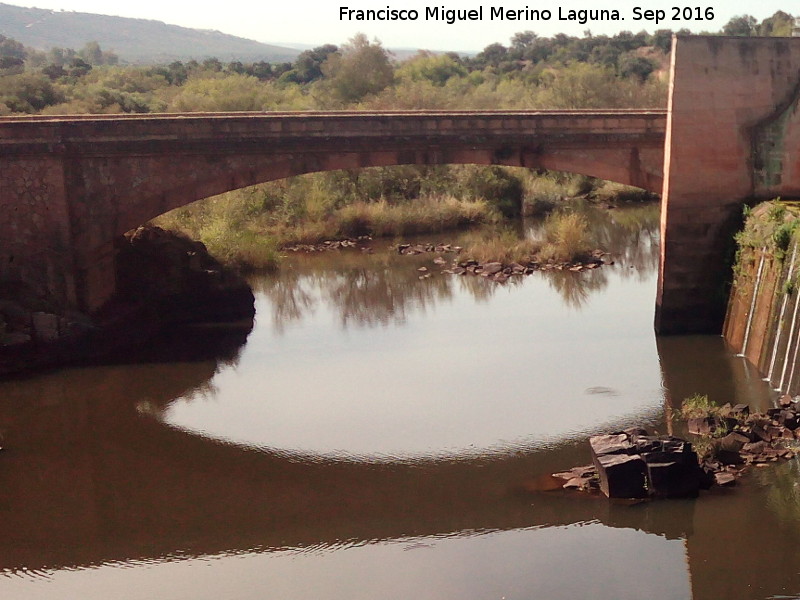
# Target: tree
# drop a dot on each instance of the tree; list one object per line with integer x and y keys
{"x": 28, "y": 92}
{"x": 742, "y": 25}
{"x": 357, "y": 70}
{"x": 308, "y": 66}
{"x": 435, "y": 68}
{"x": 10, "y": 48}
{"x": 492, "y": 55}
{"x": 639, "y": 67}
{"x": 778, "y": 25}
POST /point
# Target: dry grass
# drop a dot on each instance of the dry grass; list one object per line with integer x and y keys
{"x": 503, "y": 246}
{"x": 246, "y": 231}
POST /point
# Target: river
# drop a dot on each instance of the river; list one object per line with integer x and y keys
{"x": 382, "y": 434}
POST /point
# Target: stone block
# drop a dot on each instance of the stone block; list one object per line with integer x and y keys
{"x": 622, "y": 475}
{"x": 671, "y": 476}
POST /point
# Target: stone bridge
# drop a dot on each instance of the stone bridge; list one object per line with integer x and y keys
{"x": 73, "y": 185}
{"x": 69, "y": 186}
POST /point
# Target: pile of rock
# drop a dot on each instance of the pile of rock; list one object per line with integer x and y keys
{"x": 500, "y": 272}
{"x": 412, "y": 249}
{"x": 177, "y": 280}
{"x": 742, "y": 439}
{"x": 632, "y": 464}
{"x": 329, "y": 245}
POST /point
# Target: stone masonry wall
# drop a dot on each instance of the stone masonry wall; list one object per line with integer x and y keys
{"x": 724, "y": 92}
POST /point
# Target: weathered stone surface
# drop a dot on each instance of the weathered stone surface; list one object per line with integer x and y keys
{"x": 45, "y": 326}
{"x": 622, "y": 475}
{"x": 673, "y": 473}
{"x": 761, "y": 432}
{"x": 491, "y": 268}
{"x": 616, "y": 443}
{"x": 725, "y": 479}
{"x": 733, "y": 442}
{"x": 700, "y": 426}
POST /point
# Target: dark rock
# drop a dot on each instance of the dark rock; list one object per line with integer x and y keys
{"x": 775, "y": 432}
{"x": 673, "y": 473}
{"x": 621, "y": 475}
{"x": 729, "y": 457}
{"x": 733, "y": 442}
{"x": 789, "y": 419}
{"x": 761, "y": 433}
{"x": 45, "y": 327}
{"x": 754, "y": 447}
{"x": 634, "y": 432}
{"x": 740, "y": 410}
{"x": 773, "y": 413}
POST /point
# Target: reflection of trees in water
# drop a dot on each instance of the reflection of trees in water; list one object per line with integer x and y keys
{"x": 575, "y": 288}
{"x": 630, "y": 234}
{"x": 381, "y": 288}
{"x": 365, "y": 290}
{"x": 783, "y": 498}
{"x": 289, "y": 299}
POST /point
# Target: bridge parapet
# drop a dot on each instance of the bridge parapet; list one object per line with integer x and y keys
{"x": 97, "y": 134}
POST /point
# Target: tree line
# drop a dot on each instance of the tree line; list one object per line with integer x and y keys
{"x": 590, "y": 71}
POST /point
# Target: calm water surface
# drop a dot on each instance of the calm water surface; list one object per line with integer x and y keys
{"x": 378, "y": 435}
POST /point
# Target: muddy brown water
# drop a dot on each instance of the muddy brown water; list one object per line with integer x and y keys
{"x": 378, "y": 435}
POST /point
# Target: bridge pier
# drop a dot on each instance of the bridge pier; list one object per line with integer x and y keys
{"x": 733, "y": 137}
{"x": 36, "y": 250}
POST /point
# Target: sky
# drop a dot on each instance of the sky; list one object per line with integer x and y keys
{"x": 316, "y": 22}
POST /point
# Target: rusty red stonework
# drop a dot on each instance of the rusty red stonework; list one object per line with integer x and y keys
{"x": 733, "y": 136}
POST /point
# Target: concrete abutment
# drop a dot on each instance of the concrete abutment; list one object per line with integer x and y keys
{"x": 733, "y": 137}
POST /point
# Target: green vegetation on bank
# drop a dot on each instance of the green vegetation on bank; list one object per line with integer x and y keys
{"x": 771, "y": 230}
{"x": 248, "y": 227}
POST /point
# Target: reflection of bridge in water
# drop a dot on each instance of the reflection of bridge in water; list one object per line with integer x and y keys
{"x": 92, "y": 477}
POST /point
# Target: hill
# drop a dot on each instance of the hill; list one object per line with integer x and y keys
{"x": 133, "y": 40}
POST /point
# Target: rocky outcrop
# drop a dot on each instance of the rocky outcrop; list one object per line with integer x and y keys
{"x": 632, "y": 464}
{"x": 177, "y": 280}
{"x": 165, "y": 280}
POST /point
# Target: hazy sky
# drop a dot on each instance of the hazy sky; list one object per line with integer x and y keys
{"x": 318, "y": 21}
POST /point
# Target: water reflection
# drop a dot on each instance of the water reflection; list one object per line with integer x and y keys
{"x": 211, "y": 477}
{"x": 92, "y": 480}
{"x": 380, "y": 288}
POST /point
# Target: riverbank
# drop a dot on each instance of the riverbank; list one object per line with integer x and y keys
{"x": 250, "y": 228}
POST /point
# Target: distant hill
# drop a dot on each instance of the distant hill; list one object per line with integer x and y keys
{"x": 133, "y": 40}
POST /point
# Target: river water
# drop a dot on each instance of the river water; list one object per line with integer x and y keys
{"x": 379, "y": 434}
